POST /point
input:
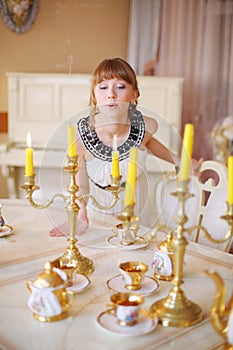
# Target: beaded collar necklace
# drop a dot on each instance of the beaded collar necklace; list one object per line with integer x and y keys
{"x": 104, "y": 152}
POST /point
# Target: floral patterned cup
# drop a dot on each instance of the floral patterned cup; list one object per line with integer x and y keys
{"x": 162, "y": 265}
{"x": 125, "y": 307}
{"x": 127, "y": 235}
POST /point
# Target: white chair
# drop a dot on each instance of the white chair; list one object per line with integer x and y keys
{"x": 205, "y": 207}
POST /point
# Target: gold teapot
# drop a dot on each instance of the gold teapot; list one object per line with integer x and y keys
{"x": 49, "y": 299}
{"x": 221, "y": 314}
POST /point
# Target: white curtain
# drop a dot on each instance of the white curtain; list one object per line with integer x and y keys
{"x": 196, "y": 42}
{"x": 143, "y": 32}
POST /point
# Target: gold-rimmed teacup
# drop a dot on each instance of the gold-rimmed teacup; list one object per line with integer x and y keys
{"x": 68, "y": 270}
{"x": 125, "y": 307}
{"x": 132, "y": 273}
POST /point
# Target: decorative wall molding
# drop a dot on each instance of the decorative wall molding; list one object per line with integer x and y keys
{"x": 19, "y": 15}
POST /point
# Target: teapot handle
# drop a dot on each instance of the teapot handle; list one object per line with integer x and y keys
{"x": 28, "y": 285}
{"x": 68, "y": 296}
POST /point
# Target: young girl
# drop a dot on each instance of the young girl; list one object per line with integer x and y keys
{"x": 114, "y": 95}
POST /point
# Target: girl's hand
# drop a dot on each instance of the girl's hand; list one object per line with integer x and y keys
{"x": 196, "y": 164}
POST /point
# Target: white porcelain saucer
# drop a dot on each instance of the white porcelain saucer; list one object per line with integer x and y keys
{"x": 144, "y": 325}
{"x": 5, "y": 230}
{"x": 116, "y": 242}
{"x": 149, "y": 285}
{"x": 80, "y": 282}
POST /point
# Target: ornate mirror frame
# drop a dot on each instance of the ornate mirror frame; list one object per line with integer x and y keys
{"x": 19, "y": 15}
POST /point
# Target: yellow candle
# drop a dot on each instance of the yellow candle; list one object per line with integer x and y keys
{"x": 115, "y": 164}
{"x": 132, "y": 170}
{"x": 230, "y": 180}
{"x": 131, "y": 178}
{"x": 129, "y": 192}
{"x": 29, "y": 168}
{"x": 71, "y": 142}
{"x": 186, "y": 154}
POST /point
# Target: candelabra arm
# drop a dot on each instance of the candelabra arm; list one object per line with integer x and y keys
{"x": 229, "y": 235}
{"x": 29, "y": 187}
{"x": 46, "y": 204}
{"x": 99, "y": 205}
{"x": 167, "y": 229}
{"x": 208, "y": 235}
{"x": 115, "y": 188}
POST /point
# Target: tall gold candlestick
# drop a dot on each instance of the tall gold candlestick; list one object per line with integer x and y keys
{"x": 72, "y": 259}
{"x": 176, "y": 310}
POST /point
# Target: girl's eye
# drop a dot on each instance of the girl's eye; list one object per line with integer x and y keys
{"x": 102, "y": 87}
{"x": 121, "y": 86}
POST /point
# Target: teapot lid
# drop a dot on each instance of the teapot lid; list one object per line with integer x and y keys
{"x": 49, "y": 278}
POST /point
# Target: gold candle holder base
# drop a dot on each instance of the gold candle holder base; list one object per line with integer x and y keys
{"x": 72, "y": 260}
{"x": 127, "y": 215}
{"x": 176, "y": 310}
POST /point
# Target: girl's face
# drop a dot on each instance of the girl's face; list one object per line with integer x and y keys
{"x": 110, "y": 92}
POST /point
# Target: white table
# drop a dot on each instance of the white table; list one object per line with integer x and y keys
{"x": 23, "y": 256}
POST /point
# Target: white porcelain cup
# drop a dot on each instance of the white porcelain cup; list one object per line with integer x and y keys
{"x": 125, "y": 307}
{"x": 162, "y": 264}
{"x": 126, "y": 234}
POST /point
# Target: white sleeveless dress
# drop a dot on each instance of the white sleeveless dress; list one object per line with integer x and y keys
{"x": 99, "y": 173}
{"x": 99, "y": 170}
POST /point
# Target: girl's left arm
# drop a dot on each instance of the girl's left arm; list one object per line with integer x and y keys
{"x": 159, "y": 150}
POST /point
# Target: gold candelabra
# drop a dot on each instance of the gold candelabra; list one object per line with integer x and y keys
{"x": 176, "y": 310}
{"x": 166, "y": 246}
{"x": 72, "y": 259}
